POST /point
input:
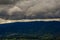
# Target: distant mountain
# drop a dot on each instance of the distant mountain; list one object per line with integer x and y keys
{"x": 30, "y": 28}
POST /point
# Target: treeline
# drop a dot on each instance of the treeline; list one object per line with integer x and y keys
{"x": 43, "y": 37}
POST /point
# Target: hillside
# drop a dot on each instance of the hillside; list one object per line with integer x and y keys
{"x": 34, "y": 29}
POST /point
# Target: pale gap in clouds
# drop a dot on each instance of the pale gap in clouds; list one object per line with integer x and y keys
{"x": 29, "y": 9}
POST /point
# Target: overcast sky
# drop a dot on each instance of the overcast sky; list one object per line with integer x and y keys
{"x": 29, "y": 9}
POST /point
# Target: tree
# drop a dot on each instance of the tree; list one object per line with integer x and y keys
{"x": 47, "y": 37}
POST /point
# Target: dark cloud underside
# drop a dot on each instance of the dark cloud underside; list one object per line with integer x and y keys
{"x": 29, "y": 9}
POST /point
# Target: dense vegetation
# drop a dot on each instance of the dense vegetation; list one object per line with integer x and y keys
{"x": 34, "y": 37}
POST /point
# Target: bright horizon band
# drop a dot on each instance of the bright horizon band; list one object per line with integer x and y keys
{"x": 27, "y": 20}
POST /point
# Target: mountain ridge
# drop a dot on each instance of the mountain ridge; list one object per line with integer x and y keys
{"x": 30, "y": 28}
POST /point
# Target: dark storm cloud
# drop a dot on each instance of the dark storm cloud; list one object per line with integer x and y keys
{"x": 7, "y": 1}
{"x": 27, "y": 9}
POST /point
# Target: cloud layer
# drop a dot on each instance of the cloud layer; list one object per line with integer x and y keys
{"x": 29, "y": 9}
